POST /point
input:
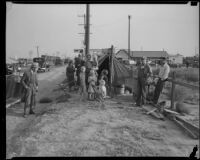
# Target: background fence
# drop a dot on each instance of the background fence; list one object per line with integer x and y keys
{"x": 13, "y": 86}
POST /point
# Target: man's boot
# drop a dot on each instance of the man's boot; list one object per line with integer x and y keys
{"x": 24, "y": 115}
{"x": 31, "y": 111}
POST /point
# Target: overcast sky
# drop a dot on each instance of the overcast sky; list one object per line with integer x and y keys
{"x": 174, "y": 28}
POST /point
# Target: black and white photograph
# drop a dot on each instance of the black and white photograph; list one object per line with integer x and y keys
{"x": 102, "y": 80}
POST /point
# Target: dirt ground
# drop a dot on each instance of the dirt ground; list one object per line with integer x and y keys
{"x": 76, "y": 128}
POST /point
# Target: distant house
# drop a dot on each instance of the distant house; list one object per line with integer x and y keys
{"x": 135, "y": 55}
{"x": 176, "y": 59}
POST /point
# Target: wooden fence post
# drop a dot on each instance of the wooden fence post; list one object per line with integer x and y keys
{"x": 173, "y": 90}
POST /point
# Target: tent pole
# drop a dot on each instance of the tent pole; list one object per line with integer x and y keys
{"x": 111, "y": 70}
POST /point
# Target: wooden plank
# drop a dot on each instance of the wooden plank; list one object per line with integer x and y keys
{"x": 154, "y": 114}
{"x": 170, "y": 111}
{"x": 152, "y": 111}
{"x": 185, "y": 129}
{"x": 192, "y": 127}
{"x": 10, "y": 104}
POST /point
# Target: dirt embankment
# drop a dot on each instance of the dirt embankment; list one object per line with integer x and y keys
{"x": 77, "y": 128}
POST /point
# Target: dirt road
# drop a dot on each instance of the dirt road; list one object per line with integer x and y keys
{"x": 77, "y": 128}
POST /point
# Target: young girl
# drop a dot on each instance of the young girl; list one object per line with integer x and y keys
{"x": 82, "y": 83}
{"x": 102, "y": 87}
{"x": 92, "y": 79}
{"x": 101, "y": 92}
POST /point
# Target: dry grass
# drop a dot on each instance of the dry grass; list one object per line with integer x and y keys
{"x": 179, "y": 93}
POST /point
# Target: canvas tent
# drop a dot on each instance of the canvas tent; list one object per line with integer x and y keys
{"x": 118, "y": 70}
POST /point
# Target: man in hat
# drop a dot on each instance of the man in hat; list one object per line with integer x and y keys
{"x": 144, "y": 71}
{"x": 30, "y": 83}
{"x": 162, "y": 78}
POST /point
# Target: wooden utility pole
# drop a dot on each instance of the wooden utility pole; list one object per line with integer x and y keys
{"x": 37, "y": 51}
{"x": 129, "y": 17}
{"x": 87, "y": 36}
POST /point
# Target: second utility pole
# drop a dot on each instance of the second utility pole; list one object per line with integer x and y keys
{"x": 37, "y": 51}
{"x": 87, "y": 33}
{"x": 129, "y": 54}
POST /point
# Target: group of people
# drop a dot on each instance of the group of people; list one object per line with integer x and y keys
{"x": 84, "y": 75}
{"x": 92, "y": 84}
{"x": 144, "y": 78}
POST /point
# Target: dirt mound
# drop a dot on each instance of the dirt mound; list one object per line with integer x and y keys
{"x": 182, "y": 108}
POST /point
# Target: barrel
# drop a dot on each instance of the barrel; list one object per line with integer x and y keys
{"x": 120, "y": 89}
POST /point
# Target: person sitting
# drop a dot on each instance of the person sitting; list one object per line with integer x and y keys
{"x": 92, "y": 79}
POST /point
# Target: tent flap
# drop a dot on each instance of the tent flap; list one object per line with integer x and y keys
{"x": 120, "y": 71}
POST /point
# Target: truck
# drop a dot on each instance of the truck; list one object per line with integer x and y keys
{"x": 43, "y": 64}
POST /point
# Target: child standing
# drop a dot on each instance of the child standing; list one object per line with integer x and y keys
{"x": 82, "y": 83}
{"x": 102, "y": 87}
{"x": 92, "y": 79}
{"x": 101, "y": 92}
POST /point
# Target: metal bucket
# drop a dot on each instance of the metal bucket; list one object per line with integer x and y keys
{"x": 120, "y": 90}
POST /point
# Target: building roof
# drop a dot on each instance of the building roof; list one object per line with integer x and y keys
{"x": 175, "y": 55}
{"x": 149, "y": 54}
{"x": 146, "y": 53}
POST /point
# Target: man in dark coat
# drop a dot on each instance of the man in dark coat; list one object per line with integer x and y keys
{"x": 78, "y": 64}
{"x": 30, "y": 84}
{"x": 144, "y": 71}
{"x": 70, "y": 70}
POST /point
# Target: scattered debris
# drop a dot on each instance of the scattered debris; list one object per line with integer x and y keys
{"x": 63, "y": 98}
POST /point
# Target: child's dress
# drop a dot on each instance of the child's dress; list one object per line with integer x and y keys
{"x": 102, "y": 87}
{"x": 92, "y": 81}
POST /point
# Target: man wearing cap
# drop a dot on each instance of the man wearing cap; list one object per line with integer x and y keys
{"x": 162, "y": 77}
{"x": 30, "y": 83}
{"x": 144, "y": 71}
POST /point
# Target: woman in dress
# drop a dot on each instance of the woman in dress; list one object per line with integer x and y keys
{"x": 92, "y": 79}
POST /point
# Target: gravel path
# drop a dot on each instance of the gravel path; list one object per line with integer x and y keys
{"x": 75, "y": 128}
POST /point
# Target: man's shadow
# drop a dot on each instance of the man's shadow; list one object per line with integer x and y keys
{"x": 193, "y": 154}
